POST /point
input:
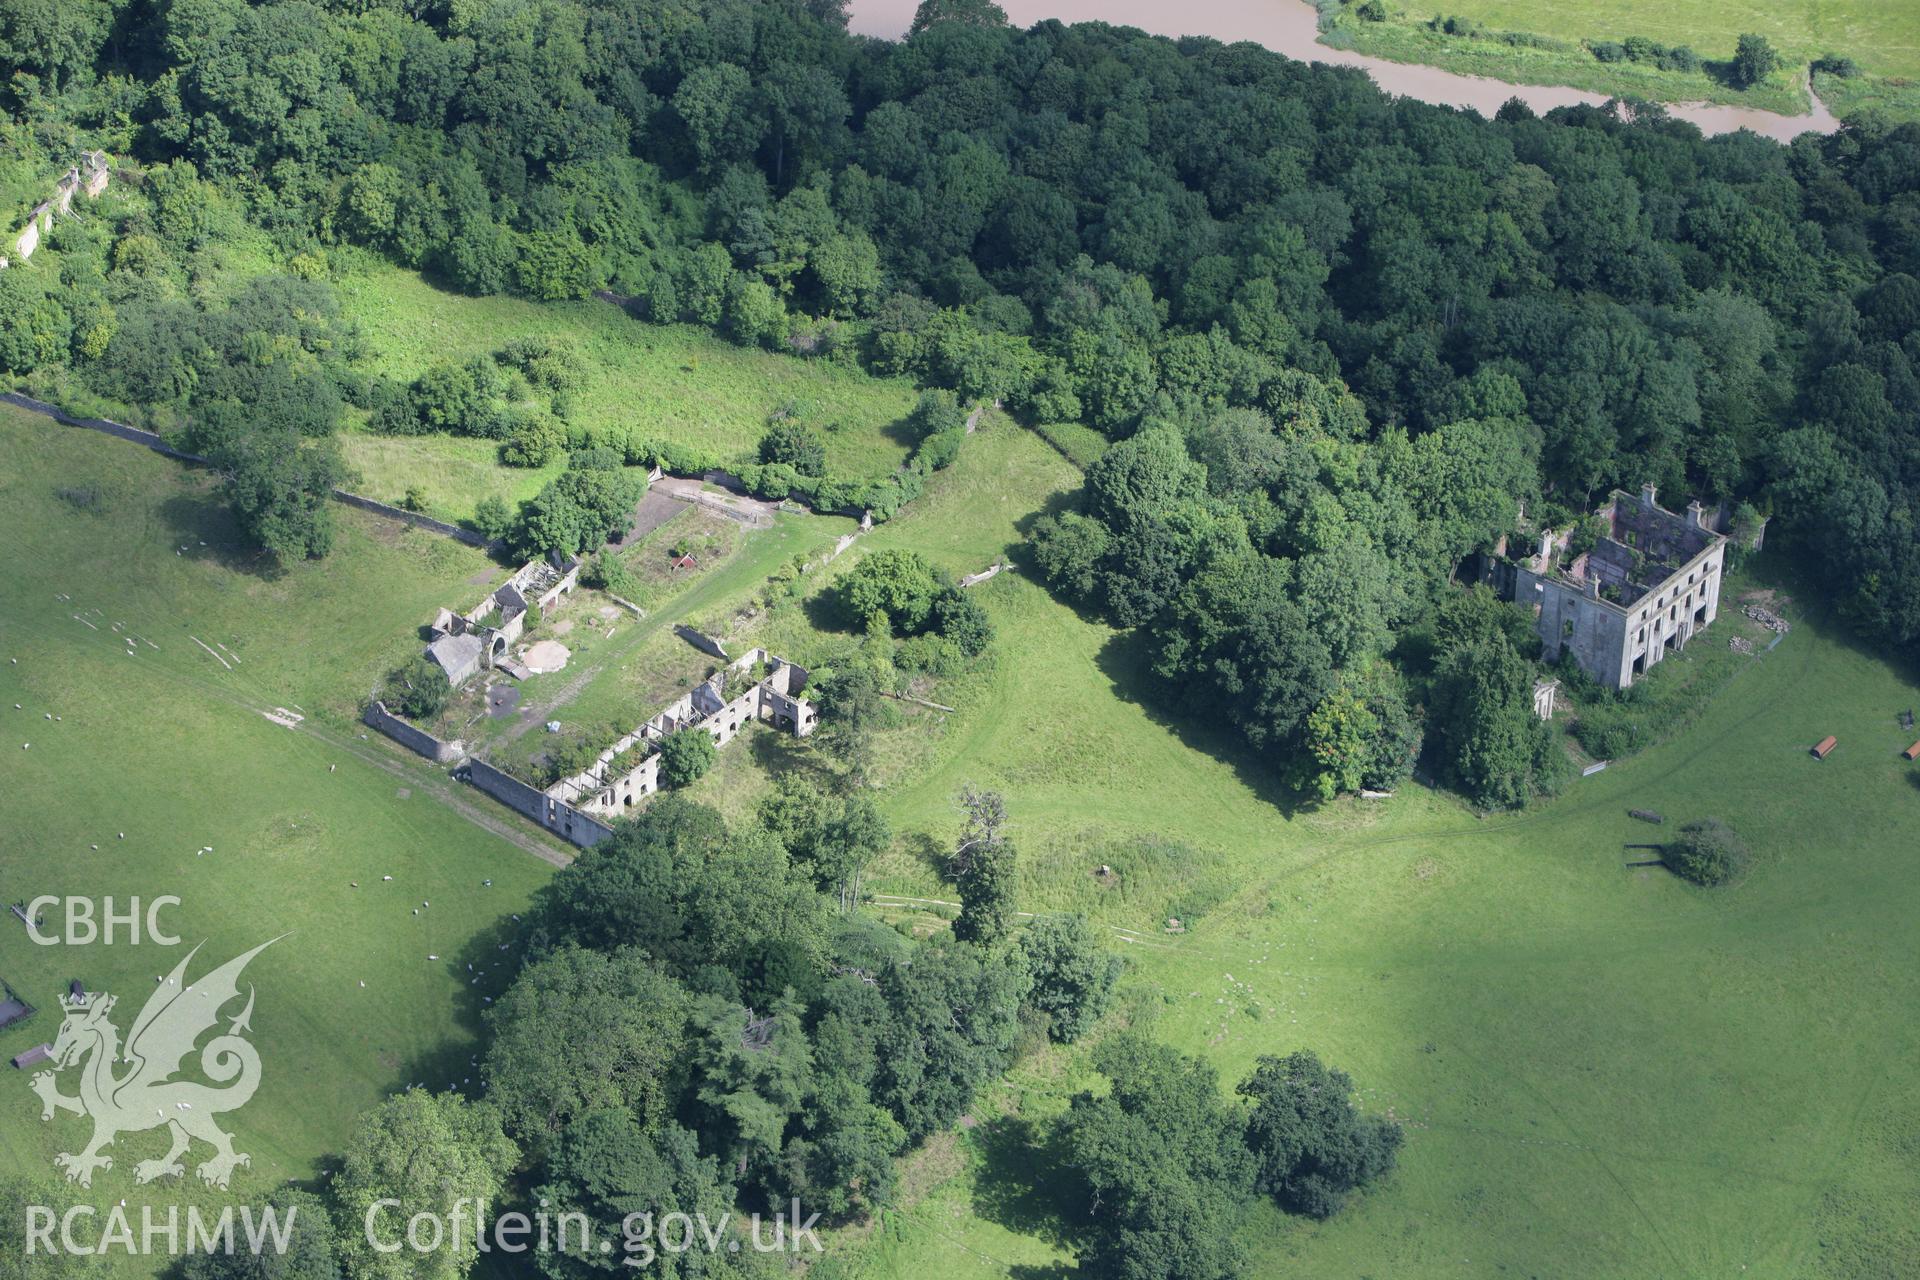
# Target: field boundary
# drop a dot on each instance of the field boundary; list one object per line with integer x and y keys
{"x": 152, "y": 440}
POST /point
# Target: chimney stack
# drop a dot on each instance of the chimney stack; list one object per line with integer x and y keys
{"x": 1695, "y": 515}
{"x": 1647, "y": 492}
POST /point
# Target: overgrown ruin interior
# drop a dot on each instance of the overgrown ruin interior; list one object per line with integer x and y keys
{"x": 463, "y": 644}
{"x": 1639, "y": 592}
{"x": 755, "y": 686}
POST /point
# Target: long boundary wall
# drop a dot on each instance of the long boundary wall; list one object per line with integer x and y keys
{"x": 414, "y": 739}
{"x": 150, "y": 440}
{"x": 560, "y": 818}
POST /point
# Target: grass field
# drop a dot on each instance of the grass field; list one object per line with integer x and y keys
{"x": 670, "y": 382}
{"x": 1603, "y": 1072}
{"x": 1883, "y": 38}
{"x": 170, "y": 746}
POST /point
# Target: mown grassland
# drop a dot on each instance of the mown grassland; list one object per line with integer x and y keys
{"x": 1603, "y": 1071}
{"x": 170, "y": 746}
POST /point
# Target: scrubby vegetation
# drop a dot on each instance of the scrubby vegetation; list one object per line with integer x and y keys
{"x": 1708, "y": 852}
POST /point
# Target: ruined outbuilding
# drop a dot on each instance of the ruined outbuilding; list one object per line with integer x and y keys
{"x": 1639, "y": 593}
{"x": 464, "y": 644}
{"x": 90, "y": 176}
{"x": 755, "y": 686}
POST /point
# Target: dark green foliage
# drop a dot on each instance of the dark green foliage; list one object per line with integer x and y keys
{"x": 582, "y": 1033}
{"x": 1754, "y": 59}
{"x": 851, "y": 710}
{"x": 280, "y": 488}
{"x": 833, "y": 837}
{"x": 532, "y": 440}
{"x": 961, "y": 619}
{"x": 1310, "y": 1144}
{"x": 310, "y": 1252}
{"x": 1070, "y": 549}
{"x": 424, "y": 1152}
{"x": 579, "y": 510}
{"x": 419, "y": 690}
{"x": 676, "y": 1002}
{"x": 1708, "y": 852}
{"x": 609, "y": 1166}
{"x": 795, "y": 445}
{"x": 897, "y": 583}
{"x": 953, "y": 1016}
{"x": 492, "y": 519}
{"x": 1161, "y": 1159}
{"x": 988, "y": 883}
{"x": 685, "y": 755}
{"x": 1496, "y": 750}
{"x": 1074, "y": 973}
{"x": 677, "y": 884}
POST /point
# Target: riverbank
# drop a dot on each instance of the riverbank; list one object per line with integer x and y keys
{"x": 1788, "y": 103}
{"x": 1291, "y": 27}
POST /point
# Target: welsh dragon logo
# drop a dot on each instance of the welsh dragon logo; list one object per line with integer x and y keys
{"x": 147, "y": 1096}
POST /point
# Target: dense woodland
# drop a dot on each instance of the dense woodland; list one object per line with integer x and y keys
{"x": 1335, "y": 340}
{"x": 1338, "y": 337}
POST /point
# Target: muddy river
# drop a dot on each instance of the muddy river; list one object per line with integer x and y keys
{"x": 1288, "y": 26}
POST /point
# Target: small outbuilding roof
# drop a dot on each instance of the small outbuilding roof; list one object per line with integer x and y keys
{"x": 458, "y": 656}
{"x": 32, "y": 1057}
{"x": 1824, "y": 746}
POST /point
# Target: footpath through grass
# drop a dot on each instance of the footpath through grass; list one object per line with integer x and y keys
{"x": 167, "y": 743}
{"x": 1603, "y": 1071}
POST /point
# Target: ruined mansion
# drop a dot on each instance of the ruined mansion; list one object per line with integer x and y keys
{"x": 1642, "y": 590}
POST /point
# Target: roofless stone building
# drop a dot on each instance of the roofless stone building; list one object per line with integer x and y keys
{"x": 1640, "y": 593}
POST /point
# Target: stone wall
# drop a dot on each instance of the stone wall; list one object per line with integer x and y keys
{"x": 562, "y": 819}
{"x": 413, "y": 518}
{"x": 411, "y": 737}
{"x": 40, "y": 220}
{"x": 701, "y": 641}
{"x": 149, "y": 440}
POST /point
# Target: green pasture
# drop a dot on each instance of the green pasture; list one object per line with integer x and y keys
{"x": 1603, "y": 1071}
{"x": 166, "y": 743}
{"x": 1884, "y": 39}
{"x": 670, "y": 382}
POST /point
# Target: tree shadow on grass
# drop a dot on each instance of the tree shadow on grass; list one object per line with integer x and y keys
{"x": 1025, "y": 1184}
{"x": 483, "y": 968}
{"x": 201, "y": 528}
{"x": 903, "y": 432}
{"x": 827, "y": 615}
{"x": 1126, "y": 663}
{"x": 922, "y": 848}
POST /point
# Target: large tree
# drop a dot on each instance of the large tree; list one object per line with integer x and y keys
{"x": 426, "y": 1153}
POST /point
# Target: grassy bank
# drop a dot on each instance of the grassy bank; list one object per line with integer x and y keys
{"x": 1554, "y": 61}
{"x": 167, "y": 743}
{"x": 670, "y": 382}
